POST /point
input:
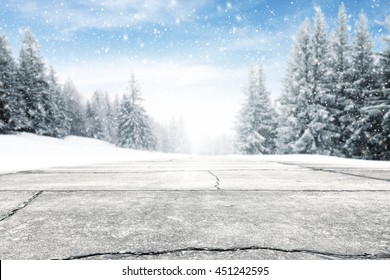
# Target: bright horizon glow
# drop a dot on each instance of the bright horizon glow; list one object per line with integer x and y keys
{"x": 191, "y": 58}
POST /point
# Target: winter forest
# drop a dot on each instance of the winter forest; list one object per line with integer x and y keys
{"x": 335, "y": 100}
{"x": 32, "y": 100}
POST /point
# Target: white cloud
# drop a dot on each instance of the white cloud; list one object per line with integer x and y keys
{"x": 106, "y": 13}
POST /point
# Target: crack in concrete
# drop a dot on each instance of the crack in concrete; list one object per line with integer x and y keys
{"x": 335, "y": 171}
{"x": 355, "y": 175}
{"x": 21, "y": 206}
{"x": 217, "y": 180}
{"x": 364, "y": 256}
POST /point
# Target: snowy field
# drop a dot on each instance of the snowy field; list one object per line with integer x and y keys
{"x": 28, "y": 152}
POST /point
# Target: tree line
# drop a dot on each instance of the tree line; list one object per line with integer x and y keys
{"x": 32, "y": 100}
{"x": 335, "y": 98}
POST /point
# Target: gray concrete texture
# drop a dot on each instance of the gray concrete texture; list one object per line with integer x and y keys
{"x": 196, "y": 208}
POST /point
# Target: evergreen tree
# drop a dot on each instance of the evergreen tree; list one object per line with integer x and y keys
{"x": 161, "y": 134}
{"x": 364, "y": 84}
{"x": 376, "y": 110}
{"x": 385, "y": 59}
{"x": 134, "y": 128}
{"x": 110, "y": 119}
{"x": 33, "y": 86}
{"x": 12, "y": 115}
{"x": 58, "y": 126}
{"x": 256, "y": 122}
{"x": 384, "y": 138}
{"x": 74, "y": 110}
{"x": 96, "y": 114}
{"x": 321, "y": 101}
{"x": 294, "y": 119}
{"x": 101, "y": 118}
{"x": 172, "y": 138}
{"x": 94, "y": 127}
{"x": 341, "y": 79}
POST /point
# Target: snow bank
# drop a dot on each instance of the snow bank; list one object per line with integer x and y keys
{"x": 28, "y": 151}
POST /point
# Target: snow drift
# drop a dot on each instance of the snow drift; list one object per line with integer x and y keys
{"x": 27, "y": 151}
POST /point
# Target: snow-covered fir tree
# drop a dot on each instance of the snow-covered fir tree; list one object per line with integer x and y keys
{"x": 364, "y": 84}
{"x": 58, "y": 126}
{"x": 33, "y": 86}
{"x": 75, "y": 113}
{"x": 383, "y": 138}
{"x": 12, "y": 114}
{"x": 374, "y": 125}
{"x": 340, "y": 79}
{"x": 101, "y": 118}
{"x": 294, "y": 119}
{"x": 257, "y": 119}
{"x": 321, "y": 131}
{"x": 93, "y": 120}
{"x": 172, "y": 137}
{"x": 308, "y": 103}
{"x": 385, "y": 58}
{"x": 134, "y": 128}
{"x": 111, "y": 116}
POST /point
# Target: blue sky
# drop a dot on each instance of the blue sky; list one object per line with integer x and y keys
{"x": 189, "y": 56}
{"x": 224, "y": 33}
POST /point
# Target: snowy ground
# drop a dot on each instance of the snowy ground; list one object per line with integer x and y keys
{"x": 97, "y": 201}
{"x": 28, "y": 152}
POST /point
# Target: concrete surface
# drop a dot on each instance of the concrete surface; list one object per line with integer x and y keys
{"x": 196, "y": 208}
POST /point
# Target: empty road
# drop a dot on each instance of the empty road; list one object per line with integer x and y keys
{"x": 227, "y": 207}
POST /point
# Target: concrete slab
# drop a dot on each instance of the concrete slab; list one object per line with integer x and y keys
{"x": 380, "y": 174}
{"x": 109, "y": 180}
{"x": 297, "y": 180}
{"x": 10, "y": 200}
{"x": 279, "y": 224}
{"x": 197, "y": 208}
{"x": 194, "y": 174}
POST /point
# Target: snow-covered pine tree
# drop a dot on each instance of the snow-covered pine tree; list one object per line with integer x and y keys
{"x": 364, "y": 84}
{"x": 95, "y": 117}
{"x": 385, "y": 59}
{"x": 293, "y": 118}
{"x": 33, "y": 86}
{"x": 101, "y": 118}
{"x": 161, "y": 134}
{"x": 383, "y": 139}
{"x": 94, "y": 126}
{"x": 110, "y": 119}
{"x": 375, "y": 122}
{"x": 308, "y": 104}
{"x": 163, "y": 137}
{"x": 75, "y": 113}
{"x": 173, "y": 137}
{"x": 114, "y": 116}
{"x": 341, "y": 79}
{"x": 12, "y": 115}
{"x": 321, "y": 129}
{"x": 58, "y": 126}
{"x": 134, "y": 128}
{"x": 257, "y": 120}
